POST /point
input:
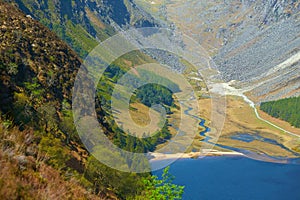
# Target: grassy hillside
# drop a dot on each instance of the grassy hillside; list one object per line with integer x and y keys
{"x": 38, "y": 138}
{"x": 143, "y": 95}
{"x": 285, "y": 109}
{"x": 39, "y": 146}
{"x": 29, "y": 171}
{"x": 83, "y": 24}
{"x": 69, "y": 20}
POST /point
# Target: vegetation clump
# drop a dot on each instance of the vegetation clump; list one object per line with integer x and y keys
{"x": 285, "y": 109}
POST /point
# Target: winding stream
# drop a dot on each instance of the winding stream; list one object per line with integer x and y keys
{"x": 247, "y": 153}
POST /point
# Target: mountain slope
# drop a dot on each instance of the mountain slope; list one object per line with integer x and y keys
{"x": 254, "y": 42}
{"x": 25, "y": 172}
{"x": 35, "y": 69}
{"x": 37, "y": 72}
{"x": 83, "y": 24}
{"x": 31, "y": 54}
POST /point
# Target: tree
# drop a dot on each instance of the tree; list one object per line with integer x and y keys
{"x": 285, "y": 109}
{"x": 163, "y": 189}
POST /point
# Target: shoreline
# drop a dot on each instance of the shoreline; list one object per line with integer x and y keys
{"x": 192, "y": 155}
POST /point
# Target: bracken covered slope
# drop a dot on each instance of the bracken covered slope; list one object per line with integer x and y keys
{"x": 40, "y": 149}
{"x": 30, "y": 53}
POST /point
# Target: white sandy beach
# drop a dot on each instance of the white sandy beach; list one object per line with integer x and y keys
{"x": 163, "y": 156}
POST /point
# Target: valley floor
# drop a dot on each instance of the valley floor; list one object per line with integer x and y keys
{"x": 242, "y": 120}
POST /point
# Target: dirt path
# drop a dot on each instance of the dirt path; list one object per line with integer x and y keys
{"x": 226, "y": 89}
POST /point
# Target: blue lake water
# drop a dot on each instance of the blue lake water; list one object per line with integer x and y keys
{"x": 236, "y": 178}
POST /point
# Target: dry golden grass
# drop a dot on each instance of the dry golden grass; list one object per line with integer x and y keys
{"x": 94, "y": 19}
{"x": 283, "y": 124}
{"x": 138, "y": 119}
{"x": 205, "y": 108}
{"x": 140, "y": 114}
{"x": 24, "y": 173}
{"x": 240, "y": 118}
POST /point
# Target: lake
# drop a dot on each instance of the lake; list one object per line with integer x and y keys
{"x": 231, "y": 178}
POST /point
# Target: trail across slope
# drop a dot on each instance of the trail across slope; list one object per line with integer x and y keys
{"x": 229, "y": 90}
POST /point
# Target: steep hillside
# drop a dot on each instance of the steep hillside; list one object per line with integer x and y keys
{"x": 253, "y": 42}
{"x": 82, "y": 24}
{"x": 262, "y": 50}
{"x": 39, "y": 142}
{"x": 118, "y": 14}
{"x": 25, "y": 171}
{"x": 33, "y": 59}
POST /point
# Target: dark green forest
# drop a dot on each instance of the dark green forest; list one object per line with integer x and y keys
{"x": 154, "y": 94}
{"x": 285, "y": 109}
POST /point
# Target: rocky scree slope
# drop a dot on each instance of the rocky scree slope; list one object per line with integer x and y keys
{"x": 254, "y": 42}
